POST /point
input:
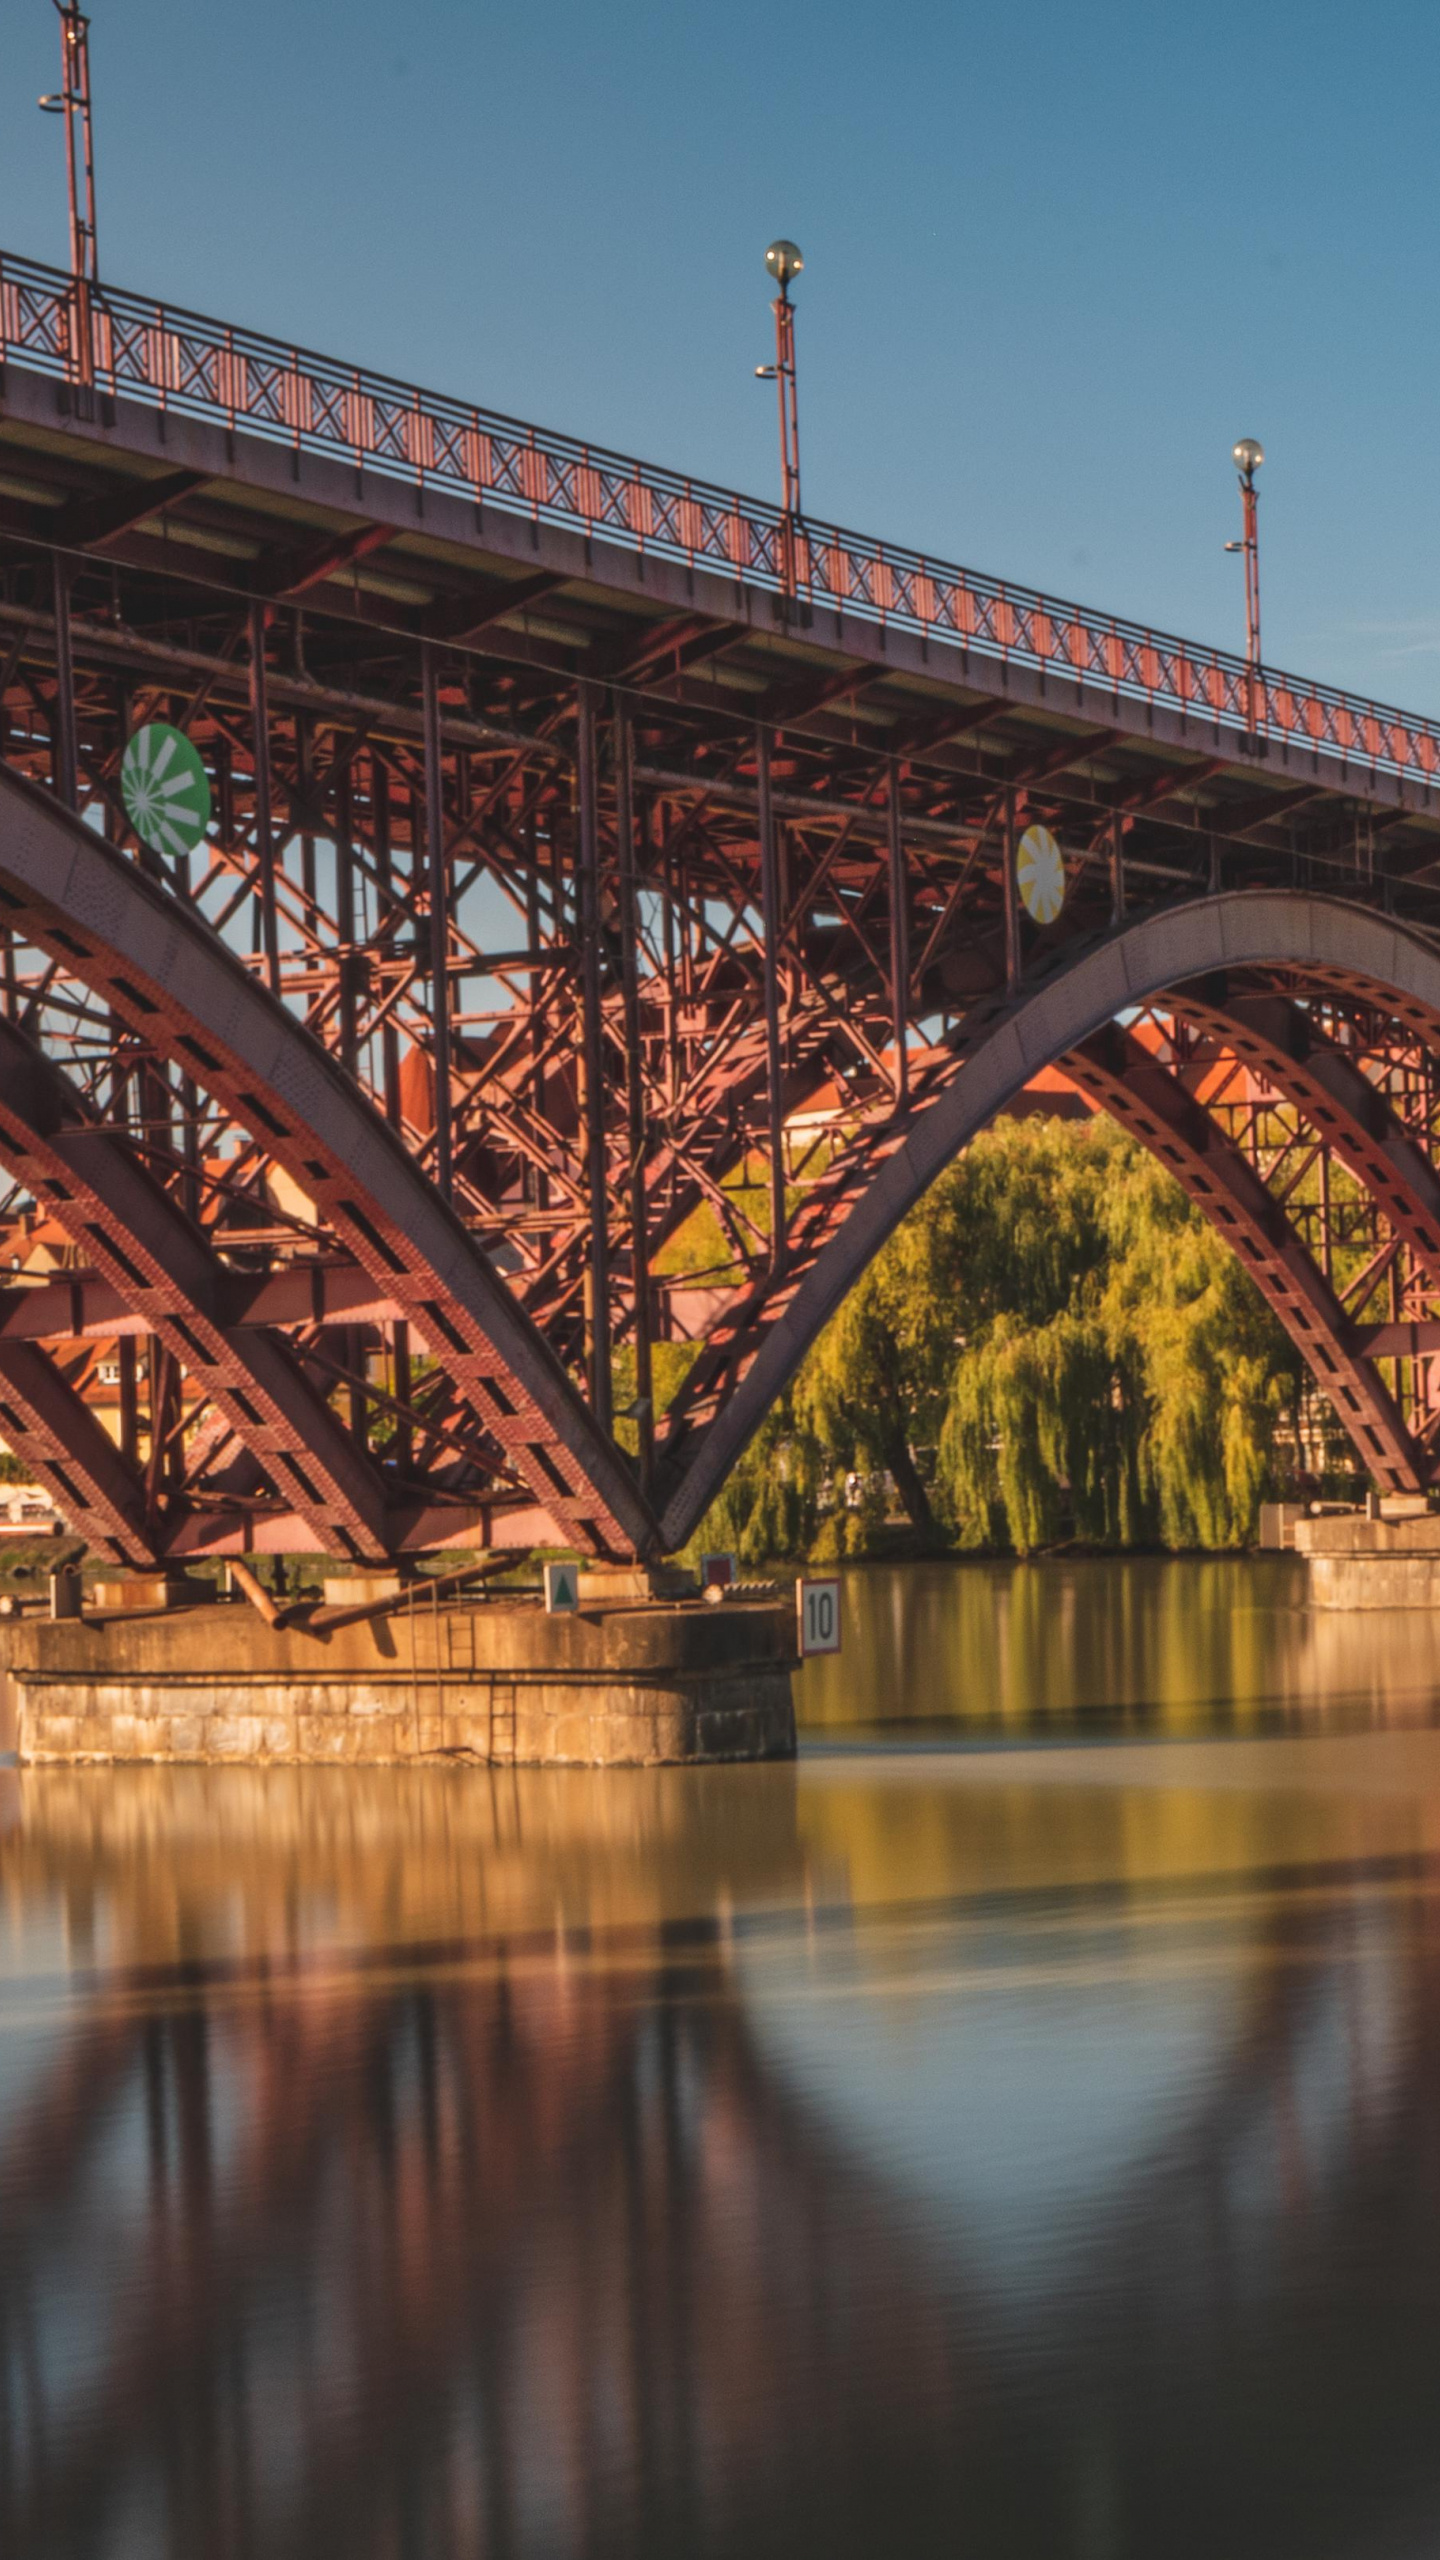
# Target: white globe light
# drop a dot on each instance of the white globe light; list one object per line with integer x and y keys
{"x": 783, "y": 260}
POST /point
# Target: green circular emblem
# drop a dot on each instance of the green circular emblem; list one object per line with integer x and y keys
{"x": 166, "y": 788}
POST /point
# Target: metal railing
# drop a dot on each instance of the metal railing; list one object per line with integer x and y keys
{"x": 203, "y": 368}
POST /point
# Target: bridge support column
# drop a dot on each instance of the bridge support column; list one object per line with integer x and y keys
{"x": 772, "y": 921}
{"x": 634, "y": 1092}
{"x": 622, "y": 1684}
{"x": 1011, "y": 894}
{"x": 439, "y": 880}
{"x": 592, "y": 1046}
{"x": 264, "y": 821}
{"x": 1354, "y": 1562}
{"x": 67, "y": 745}
{"x": 899, "y": 933}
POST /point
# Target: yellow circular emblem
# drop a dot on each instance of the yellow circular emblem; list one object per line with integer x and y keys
{"x": 1040, "y": 871}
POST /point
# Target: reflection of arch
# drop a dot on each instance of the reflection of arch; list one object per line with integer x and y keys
{"x": 432, "y": 2217}
{"x": 1330, "y": 944}
{"x": 158, "y": 965}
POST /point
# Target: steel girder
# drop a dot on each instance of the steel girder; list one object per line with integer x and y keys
{"x": 335, "y": 760}
{"x": 84, "y": 1307}
{"x": 1337, "y": 1098}
{"x": 155, "y": 963}
{"x": 1322, "y": 942}
{"x": 710, "y": 560}
{"x": 1120, "y": 1074}
{"x": 163, "y": 1269}
{"x": 592, "y": 932}
{"x": 51, "y": 1429}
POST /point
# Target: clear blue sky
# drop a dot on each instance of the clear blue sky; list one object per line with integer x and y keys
{"x": 1058, "y": 257}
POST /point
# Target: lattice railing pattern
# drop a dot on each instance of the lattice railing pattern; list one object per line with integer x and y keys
{"x": 205, "y": 368}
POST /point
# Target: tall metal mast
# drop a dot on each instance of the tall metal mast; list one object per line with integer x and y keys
{"x": 72, "y": 101}
{"x": 784, "y": 262}
{"x": 1247, "y": 455}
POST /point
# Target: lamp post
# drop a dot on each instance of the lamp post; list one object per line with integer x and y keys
{"x": 72, "y": 101}
{"x": 784, "y": 263}
{"x": 1247, "y": 455}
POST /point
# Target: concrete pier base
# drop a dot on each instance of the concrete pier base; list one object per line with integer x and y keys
{"x": 620, "y": 1684}
{"x": 1359, "y": 1563}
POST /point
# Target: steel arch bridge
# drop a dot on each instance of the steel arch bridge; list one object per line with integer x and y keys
{"x": 593, "y": 849}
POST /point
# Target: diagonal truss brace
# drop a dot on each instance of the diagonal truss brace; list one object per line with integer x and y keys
{"x": 53, "y": 1431}
{"x": 163, "y": 971}
{"x": 1148, "y": 1100}
{"x": 1336, "y": 1097}
{"x": 164, "y": 1270}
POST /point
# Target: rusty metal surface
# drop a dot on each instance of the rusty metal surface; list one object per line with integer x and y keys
{"x": 52, "y": 1431}
{"x": 1343, "y": 1103}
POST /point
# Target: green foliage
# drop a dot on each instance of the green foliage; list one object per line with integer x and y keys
{"x": 1119, "y": 1370}
{"x": 1069, "y": 1342}
{"x": 770, "y": 1504}
{"x": 709, "y": 1243}
{"x": 1219, "y": 1372}
{"x": 670, "y": 1364}
{"x": 1043, "y": 1420}
{"x": 874, "y": 1388}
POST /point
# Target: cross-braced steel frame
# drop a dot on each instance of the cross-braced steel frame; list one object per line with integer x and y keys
{"x": 589, "y": 959}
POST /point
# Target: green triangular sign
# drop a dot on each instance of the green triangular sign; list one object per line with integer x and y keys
{"x": 562, "y": 1587}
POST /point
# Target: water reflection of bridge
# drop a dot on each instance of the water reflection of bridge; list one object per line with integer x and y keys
{"x": 409, "y": 2177}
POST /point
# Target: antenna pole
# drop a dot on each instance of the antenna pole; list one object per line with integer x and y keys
{"x": 784, "y": 262}
{"x": 784, "y": 310}
{"x": 72, "y": 100}
{"x": 1250, "y": 496}
{"x": 1247, "y": 455}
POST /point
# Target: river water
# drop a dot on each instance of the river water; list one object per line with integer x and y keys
{"x": 1013, "y": 2130}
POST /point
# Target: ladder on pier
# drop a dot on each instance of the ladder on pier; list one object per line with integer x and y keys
{"x": 503, "y": 1740}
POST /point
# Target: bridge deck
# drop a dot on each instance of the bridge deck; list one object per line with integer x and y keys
{"x": 275, "y": 471}
{"x": 598, "y": 826}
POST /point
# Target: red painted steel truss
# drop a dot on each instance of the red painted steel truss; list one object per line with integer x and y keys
{"x": 110, "y": 345}
{"x": 581, "y": 975}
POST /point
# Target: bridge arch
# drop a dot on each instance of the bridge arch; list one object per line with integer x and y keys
{"x": 1152, "y": 1103}
{"x": 163, "y": 971}
{"x": 1330, "y": 945}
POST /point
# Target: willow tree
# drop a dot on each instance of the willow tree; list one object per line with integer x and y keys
{"x": 1139, "y": 1392}
{"x": 770, "y": 1504}
{"x": 1043, "y": 1415}
{"x": 1220, "y": 1374}
{"x": 1053, "y": 1340}
{"x": 874, "y": 1388}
